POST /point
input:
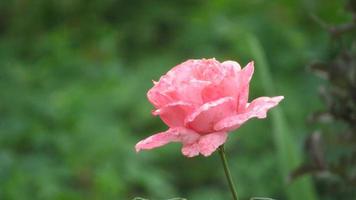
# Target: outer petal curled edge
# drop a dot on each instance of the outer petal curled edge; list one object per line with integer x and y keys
{"x": 257, "y": 108}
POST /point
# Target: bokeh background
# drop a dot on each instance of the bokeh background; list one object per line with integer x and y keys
{"x": 73, "y": 81}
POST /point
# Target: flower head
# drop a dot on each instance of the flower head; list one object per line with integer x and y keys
{"x": 202, "y": 101}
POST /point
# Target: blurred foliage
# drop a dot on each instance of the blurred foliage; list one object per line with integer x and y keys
{"x": 288, "y": 155}
{"x": 73, "y": 82}
{"x": 331, "y": 147}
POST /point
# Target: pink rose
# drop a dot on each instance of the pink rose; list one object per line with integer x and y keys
{"x": 202, "y": 101}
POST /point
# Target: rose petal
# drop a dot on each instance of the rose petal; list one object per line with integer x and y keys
{"x": 158, "y": 99}
{"x": 230, "y": 85}
{"x": 183, "y": 82}
{"x": 157, "y": 140}
{"x": 210, "y": 142}
{"x": 231, "y": 65}
{"x": 206, "y": 144}
{"x": 257, "y": 108}
{"x": 190, "y": 150}
{"x": 164, "y": 91}
{"x": 208, "y": 70}
{"x": 204, "y": 118}
{"x": 179, "y": 134}
{"x": 182, "y": 72}
{"x": 245, "y": 76}
{"x": 192, "y": 91}
{"x": 173, "y": 114}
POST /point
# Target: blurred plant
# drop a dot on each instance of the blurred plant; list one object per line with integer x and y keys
{"x": 288, "y": 155}
{"x": 332, "y": 148}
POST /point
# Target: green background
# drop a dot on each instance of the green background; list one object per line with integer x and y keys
{"x": 73, "y": 81}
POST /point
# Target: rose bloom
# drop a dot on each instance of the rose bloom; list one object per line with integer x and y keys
{"x": 202, "y": 101}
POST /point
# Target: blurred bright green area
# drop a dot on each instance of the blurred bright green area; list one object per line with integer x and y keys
{"x": 73, "y": 81}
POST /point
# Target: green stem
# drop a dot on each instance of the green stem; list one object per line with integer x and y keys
{"x": 227, "y": 172}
